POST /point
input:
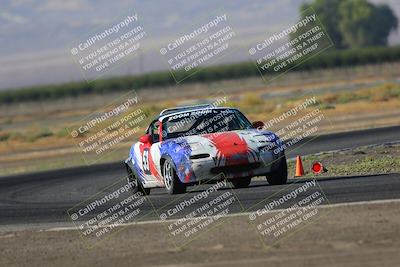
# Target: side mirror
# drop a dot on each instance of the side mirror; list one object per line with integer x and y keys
{"x": 258, "y": 125}
{"x": 145, "y": 139}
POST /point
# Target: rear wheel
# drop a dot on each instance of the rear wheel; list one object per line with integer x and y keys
{"x": 241, "y": 182}
{"x": 279, "y": 176}
{"x": 137, "y": 186}
{"x": 171, "y": 179}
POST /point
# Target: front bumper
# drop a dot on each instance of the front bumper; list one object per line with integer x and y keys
{"x": 206, "y": 169}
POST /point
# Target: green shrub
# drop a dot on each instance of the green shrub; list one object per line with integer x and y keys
{"x": 4, "y": 136}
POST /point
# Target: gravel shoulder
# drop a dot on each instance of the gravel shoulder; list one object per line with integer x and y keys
{"x": 364, "y": 160}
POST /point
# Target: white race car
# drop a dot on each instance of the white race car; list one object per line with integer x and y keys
{"x": 188, "y": 145}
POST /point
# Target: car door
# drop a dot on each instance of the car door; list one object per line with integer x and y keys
{"x": 151, "y": 154}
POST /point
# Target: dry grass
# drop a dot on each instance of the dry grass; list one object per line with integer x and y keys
{"x": 358, "y": 161}
{"x": 41, "y": 127}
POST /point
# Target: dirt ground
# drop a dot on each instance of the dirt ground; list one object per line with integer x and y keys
{"x": 364, "y": 160}
{"x": 354, "y": 235}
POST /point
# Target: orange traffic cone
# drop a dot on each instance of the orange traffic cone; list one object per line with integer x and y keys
{"x": 299, "y": 167}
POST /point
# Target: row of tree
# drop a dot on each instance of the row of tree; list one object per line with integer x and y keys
{"x": 354, "y": 23}
{"x": 351, "y": 24}
{"x": 329, "y": 59}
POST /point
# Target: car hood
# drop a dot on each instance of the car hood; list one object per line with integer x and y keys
{"x": 242, "y": 140}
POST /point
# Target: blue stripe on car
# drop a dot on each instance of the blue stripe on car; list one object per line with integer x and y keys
{"x": 179, "y": 150}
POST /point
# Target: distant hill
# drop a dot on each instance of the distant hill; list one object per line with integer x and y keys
{"x": 34, "y": 35}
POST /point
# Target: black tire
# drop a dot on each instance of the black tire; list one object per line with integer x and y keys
{"x": 171, "y": 179}
{"x": 279, "y": 176}
{"x": 241, "y": 182}
{"x": 138, "y": 186}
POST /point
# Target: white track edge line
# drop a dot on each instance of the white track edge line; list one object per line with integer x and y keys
{"x": 55, "y": 229}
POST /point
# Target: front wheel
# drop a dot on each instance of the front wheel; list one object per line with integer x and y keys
{"x": 279, "y": 176}
{"x": 171, "y": 179}
{"x": 137, "y": 186}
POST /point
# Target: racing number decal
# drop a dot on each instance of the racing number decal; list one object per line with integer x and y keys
{"x": 146, "y": 166}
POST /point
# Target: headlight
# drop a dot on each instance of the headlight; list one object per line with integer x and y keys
{"x": 196, "y": 146}
{"x": 267, "y": 148}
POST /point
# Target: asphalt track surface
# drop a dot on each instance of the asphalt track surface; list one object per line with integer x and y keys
{"x": 45, "y": 197}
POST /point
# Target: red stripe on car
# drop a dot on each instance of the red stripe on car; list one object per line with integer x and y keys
{"x": 230, "y": 146}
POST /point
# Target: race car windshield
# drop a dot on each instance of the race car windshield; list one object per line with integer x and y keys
{"x": 203, "y": 122}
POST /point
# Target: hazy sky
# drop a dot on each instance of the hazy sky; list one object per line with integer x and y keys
{"x": 35, "y": 35}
